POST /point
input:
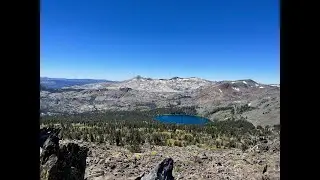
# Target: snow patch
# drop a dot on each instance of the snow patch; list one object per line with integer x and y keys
{"x": 249, "y": 104}
{"x": 233, "y": 82}
{"x": 261, "y": 87}
{"x": 256, "y": 85}
{"x": 237, "y": 89}
{"x": 244, "y": 82}
{"x": 220, "y": 90}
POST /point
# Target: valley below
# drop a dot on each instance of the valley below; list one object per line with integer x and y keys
{"x": 257, "y": 103}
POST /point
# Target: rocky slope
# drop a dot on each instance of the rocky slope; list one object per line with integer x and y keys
{"x": 106, "y": 162}
{"x": 258, "y": 103}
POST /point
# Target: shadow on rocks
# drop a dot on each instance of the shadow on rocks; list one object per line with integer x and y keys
{"x": 162, "y": 171}
{"x": 65, "y": 163}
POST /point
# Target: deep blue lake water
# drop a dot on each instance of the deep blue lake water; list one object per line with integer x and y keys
{"x": 182, "y": 119}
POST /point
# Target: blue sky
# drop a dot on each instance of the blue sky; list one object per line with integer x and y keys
{"x": 119, "y": 39}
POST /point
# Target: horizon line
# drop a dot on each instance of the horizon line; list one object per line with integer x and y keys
{"x": 153, "y": 79}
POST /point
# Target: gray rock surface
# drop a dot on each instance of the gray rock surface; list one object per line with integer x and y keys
{"x": 163, "y": 171}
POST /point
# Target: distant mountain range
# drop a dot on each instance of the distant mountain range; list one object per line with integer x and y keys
{"x": 57, "y": 83}
{"x": 216, "y": 100}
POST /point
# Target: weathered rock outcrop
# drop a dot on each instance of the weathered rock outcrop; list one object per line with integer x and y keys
{"x": 45, "y": 133}
{"x": 163, "y": 171}
{"x": 61, "y": 163}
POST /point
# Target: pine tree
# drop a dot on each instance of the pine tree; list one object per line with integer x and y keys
{"x": 92, "y": 139}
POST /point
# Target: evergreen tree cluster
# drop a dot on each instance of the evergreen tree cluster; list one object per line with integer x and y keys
{"x": 135, "y": 128}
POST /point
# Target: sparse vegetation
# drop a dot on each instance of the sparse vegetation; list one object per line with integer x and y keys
{"x": 244, "y": 108}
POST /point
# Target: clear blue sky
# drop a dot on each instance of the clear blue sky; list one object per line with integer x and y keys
{"x": 119, "y": 39}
